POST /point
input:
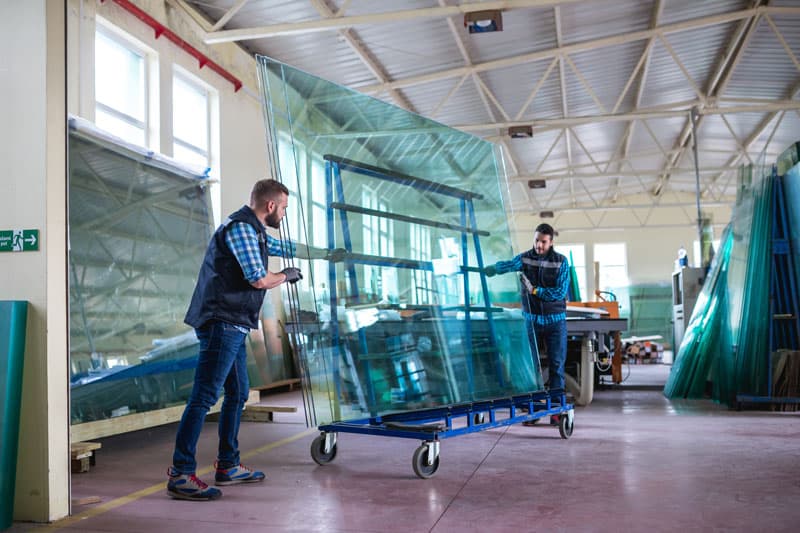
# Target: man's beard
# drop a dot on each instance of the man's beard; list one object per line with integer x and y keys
{"x": 273, "y": 221}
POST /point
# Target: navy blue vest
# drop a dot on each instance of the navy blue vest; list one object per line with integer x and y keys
{"x": 222, "y": 292}
{"x": 541, "y": 271}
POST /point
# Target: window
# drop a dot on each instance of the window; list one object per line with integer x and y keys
{"x": 195, "y": 129}
{"x": 576, "y": 253}
{"x": 421, "y": 250}
{"x": 613, "y": 261}
{"x": 120, "y": 87}
{"x": 698, "y": 256}
{"x": 191, "y": 118}
{"x": 378, "y": 235}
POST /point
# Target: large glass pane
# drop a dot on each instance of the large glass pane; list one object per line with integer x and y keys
{"x": 403, "y": 318}
{"x": 139, "y": 225}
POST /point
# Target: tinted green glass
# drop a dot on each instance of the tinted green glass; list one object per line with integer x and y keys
{"x": 13, "y": 323}
{"x": 404, "y": 320}
{"x": 727, "y": 344}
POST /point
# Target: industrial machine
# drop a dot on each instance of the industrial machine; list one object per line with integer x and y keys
{"x": 686, "y": 286}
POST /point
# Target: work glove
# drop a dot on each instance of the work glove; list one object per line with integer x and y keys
{"x": 293, "y": 275}
{"x": 527, "y": 284}
{"x": 336, "y": 255}
{"x": 490, "y": 271}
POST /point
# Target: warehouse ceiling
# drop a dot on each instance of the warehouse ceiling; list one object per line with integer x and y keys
{"x": 607, "y": 87}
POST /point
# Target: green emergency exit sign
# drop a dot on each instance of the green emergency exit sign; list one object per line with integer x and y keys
{"x": 19, "y": 240}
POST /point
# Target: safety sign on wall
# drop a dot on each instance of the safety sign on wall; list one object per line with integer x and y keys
{"x": 19, "y": 240}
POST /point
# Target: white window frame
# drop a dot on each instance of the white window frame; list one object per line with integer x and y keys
{"x": 624, "y": 264}
{"x": 150, "y": 126}
{"x": 196, "y": 83}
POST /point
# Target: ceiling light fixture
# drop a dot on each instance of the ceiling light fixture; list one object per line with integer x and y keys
{"x": 520, "y": 132}
{"x": 484, "y": 21}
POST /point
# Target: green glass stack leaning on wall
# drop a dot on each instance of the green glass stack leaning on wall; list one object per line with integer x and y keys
{"x": 726, "y": 347}
{"x": 13, "y": 320}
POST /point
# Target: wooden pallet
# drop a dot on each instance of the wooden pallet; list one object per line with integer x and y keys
{"x": 261, "y": 413}
{"x": 82, "y": 455}
{"x": 289, "y": 383}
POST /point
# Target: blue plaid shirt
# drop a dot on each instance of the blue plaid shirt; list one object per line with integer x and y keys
{"x": 549, "y": 294}
{"x": 242, "y": 240}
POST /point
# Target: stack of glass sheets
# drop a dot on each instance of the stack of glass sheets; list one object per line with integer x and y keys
{"x": 13, "y": 327}
{"x": 726, "y": 349}
{"x": 404, "y": 319}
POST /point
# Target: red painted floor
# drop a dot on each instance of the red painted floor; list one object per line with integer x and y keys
{"x": 635, "y": 462}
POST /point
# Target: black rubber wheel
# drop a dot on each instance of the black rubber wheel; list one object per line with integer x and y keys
{"x": 478, "y": 418}
{"x": 565, "y": 426}
{"x": 420, "y": 463}
{"x": 318, "y": 451}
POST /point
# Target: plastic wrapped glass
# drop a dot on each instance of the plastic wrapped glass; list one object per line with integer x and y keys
{"x": 139, "y": 225}
{"x": 650, "y": 311}
{"x": 399, "y": 214}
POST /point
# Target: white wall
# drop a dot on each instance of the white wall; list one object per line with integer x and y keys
{"x": 37, "y": 89}
{"x": 32, "y": 151}
{"x": 651, "y": 249}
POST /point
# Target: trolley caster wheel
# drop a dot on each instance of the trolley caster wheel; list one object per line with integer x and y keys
{"x": 318, "y": 451}
{"x": 420, "y": 462}
{"x": 478, "y": 419}
{"x": 565, "y": 425}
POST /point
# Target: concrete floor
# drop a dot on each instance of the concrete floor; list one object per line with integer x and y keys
{"x": 636, "y": 461}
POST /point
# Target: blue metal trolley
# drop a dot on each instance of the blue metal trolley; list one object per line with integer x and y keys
{"x": 433, "y": 425}
{"x": 429, "y": 425}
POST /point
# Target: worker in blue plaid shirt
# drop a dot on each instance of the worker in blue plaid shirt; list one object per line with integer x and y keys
{"x": 227, "y": 298}
{"x": 544, "y": 277}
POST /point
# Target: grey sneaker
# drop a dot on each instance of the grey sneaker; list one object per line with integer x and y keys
{"x": 189, "y": 487}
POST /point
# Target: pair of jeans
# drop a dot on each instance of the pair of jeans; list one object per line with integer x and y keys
{"x": 222, "y": 363}
{"x": 554, "y": 337}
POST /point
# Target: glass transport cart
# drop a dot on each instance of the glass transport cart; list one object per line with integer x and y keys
{"x": 393, "y": 327}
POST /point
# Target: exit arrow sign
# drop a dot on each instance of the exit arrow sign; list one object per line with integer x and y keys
{"x": 19, "y": 240}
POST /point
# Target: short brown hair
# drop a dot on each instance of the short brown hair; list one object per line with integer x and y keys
{"x": 266, "y": 190}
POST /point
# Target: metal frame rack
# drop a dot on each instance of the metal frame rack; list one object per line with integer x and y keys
{"x": 784, "y": 326}
{"x": 429, "y": 425}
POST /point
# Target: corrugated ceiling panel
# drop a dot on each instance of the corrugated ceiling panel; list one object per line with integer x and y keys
{"x": 765, "y": 70}
{"x": 607, "y": 80}
{"x": 594, "y": 20}
{"x": 600, "y": 139}
{"x": 323, "y": 54}
{"x": 464, "y": 107}
{"x": 681, "y": 10}
{"x": 513, "y": 85}
{"x": 665, "y": 130}
{"x": 412, "y": 48}
{"x": 531, "y": 151}
{"x": 427, "y": 97}
{"x": 370, "y": 7}
{"x": 700, "y": 51}
{"x": 789, "y": 28}
{"x": 665, "y": 82}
